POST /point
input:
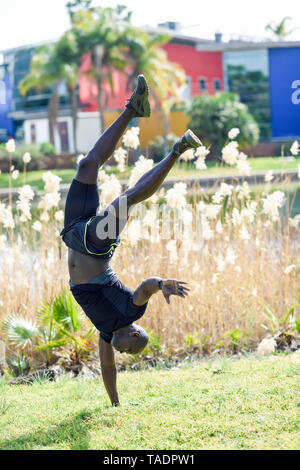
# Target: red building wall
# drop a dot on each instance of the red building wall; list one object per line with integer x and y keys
{"x": 197, "y": 64}
{"x": 88, "y": 89}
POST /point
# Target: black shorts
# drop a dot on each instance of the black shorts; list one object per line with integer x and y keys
{"x": 109, "y": 307}
{"x": 82, "y": 201}
{"x": 81, "y": 220}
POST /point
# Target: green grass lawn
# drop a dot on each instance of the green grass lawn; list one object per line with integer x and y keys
{"x": 34, "y": 178}
{"x": 179, "y": 171}
{"x": 214, "y": 168}
{"x": 246, "y": 403}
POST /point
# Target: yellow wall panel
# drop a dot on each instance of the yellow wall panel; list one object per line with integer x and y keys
{"x": 154, "y": 126}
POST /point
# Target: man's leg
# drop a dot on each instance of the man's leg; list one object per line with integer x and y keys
{"x": 88, "y": 168}
{"x": 148, "y": 184}
{"x": 83, "y": 199}
{"x": 137, "y": 106}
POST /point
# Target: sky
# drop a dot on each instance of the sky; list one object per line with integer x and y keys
{"x": 32, "y": 21}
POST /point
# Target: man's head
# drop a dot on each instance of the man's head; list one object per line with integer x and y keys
{"x": 132, "y": 339}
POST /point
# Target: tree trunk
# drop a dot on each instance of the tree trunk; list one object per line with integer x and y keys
{"x": 74, "y": 109}
{"x": 52, "y": 113}
{"x": 166, "y": 130}
{"x": 100, "y": 107}
{"x": 51, "y": 130}
{"x": 98, "y": 54}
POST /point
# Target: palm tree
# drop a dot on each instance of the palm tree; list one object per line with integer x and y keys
{"x": 99, "y": 32}
{"x": 145, "y": 55}
{"x": 45, "y": 72}
{"x": 69, "y": 56}
{"x": 74, "y": 6}
{"x": 51, "y": 65}
{"x": 279, "y": 29}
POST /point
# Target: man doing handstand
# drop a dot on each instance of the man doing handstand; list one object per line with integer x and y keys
{"x": 110, "y": 305}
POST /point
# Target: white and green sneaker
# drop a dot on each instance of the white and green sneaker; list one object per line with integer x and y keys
{"x": 139, "y": 100}
{"x": 188, "y": 141}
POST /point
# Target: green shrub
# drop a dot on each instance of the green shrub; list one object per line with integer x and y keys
{"x": 190, "y": 339}
{"x": 47, "y": 149}
{"x": 59, "y": 325}
{"x": 212, "y": 117}
{"x": 162, "y": 146}
{"x": 36, "y": 163}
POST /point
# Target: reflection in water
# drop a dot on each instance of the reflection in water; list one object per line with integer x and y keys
{"x": 294, "y": 199}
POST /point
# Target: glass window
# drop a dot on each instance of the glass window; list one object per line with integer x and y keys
{"x": 246, "y": 73}
{"x": 217, "y": 84}
{"x": 34, "y": 99}
{"x": 188, "y": 86}
{"x": 2, "y": 92}
{"x": 202, "y": 84}
{"x": 33, "y": 133}
{"x": 186, "y": 92}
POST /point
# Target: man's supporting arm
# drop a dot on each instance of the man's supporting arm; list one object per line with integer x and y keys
{"x": 109, "y": 370}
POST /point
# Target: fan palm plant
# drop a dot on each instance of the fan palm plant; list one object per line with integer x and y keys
{"x": 59, "y": 324}
{"x": 61, "y": 321}
{"x": 21, "y": 333}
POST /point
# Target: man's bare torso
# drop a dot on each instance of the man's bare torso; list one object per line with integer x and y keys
{"x": 84, "y": 268}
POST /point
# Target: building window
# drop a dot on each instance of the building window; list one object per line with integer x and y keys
{"x": 188, "y": 86}
{"x": 202, "y": 84}
{"x": 246, "y": 73}
{"x": 2, "y": 93}
{"x": 217, "y": 84}
{"x": 33, "y": 133}
{"x": 64, "y": 136}
{"x": 186, "y": 90}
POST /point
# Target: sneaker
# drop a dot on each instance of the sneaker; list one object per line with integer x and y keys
{"x": 139, "y": 99}
{"x": 188, "y": 141}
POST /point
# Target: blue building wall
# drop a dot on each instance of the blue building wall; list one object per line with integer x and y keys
{"x": 6, "y": 123}
{"x": 284, "y": 76}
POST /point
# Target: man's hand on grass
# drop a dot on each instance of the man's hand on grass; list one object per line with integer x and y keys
{"x": 126, "y": 404}
{"x": 174, "y": 287}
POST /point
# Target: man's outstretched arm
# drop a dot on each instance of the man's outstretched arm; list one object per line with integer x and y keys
{"x": 154, "y": 284}
{"x": 109, "y": 370}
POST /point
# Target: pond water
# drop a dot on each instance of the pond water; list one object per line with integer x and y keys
{"x": 292, "y": 195}
{"x": 296, "y": 203}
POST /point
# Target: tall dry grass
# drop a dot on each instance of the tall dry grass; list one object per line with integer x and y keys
{"x": 241, "y": 260}
{"x": 261, "y": 280}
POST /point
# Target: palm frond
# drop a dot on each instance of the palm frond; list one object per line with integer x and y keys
{"x": 19, "y": 362}
{"x": 20, "y": 331}
{"x": 73, "y": 311}
{"x": 52, "y": 344}
{"x": 62, "y": 311}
